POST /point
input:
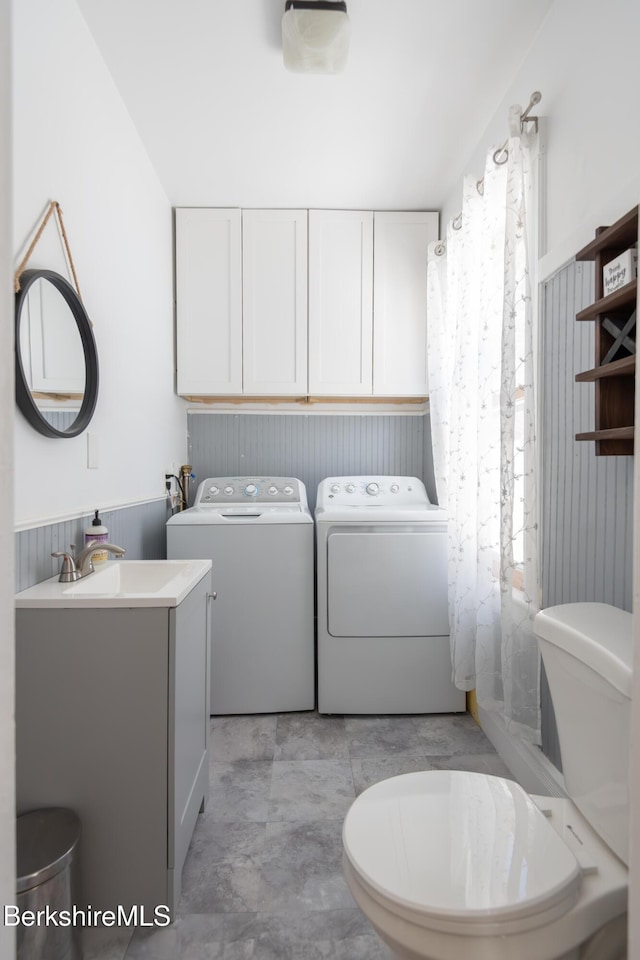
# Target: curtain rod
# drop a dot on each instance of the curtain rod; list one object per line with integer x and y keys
{"x": 502, "y": 151}
{"x": 535, "y": 98}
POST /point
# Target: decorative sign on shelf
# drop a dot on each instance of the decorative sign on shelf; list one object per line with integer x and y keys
{"x": 617, "y": 273}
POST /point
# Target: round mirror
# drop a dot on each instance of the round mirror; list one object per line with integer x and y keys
{"x": 56, "y": 356}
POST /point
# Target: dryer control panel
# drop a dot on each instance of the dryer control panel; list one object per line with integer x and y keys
{"x": 273, "y": 490}
{"x": 370, "y": 490}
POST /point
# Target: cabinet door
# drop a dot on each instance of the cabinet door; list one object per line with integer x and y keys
{"x": 209, "y": 301}
{"x": 188, "y": 755}
{"x": 340, "y": 302}
{"x": 400, "y": 302}
{"x": 274, "y": 285}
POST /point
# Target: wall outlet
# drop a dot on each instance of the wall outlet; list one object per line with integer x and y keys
{"x": 169, "y": 483}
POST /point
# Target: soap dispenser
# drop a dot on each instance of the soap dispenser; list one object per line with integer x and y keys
{"x": 97, "y": 532}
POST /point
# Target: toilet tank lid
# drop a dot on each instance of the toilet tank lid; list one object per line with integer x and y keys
{"x": 597, "y": 634}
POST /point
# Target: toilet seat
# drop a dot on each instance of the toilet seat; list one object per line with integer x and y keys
{"x": 462, "y": 853}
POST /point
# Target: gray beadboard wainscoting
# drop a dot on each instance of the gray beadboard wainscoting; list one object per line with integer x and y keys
{"x": 587, "y": 501}
{"x": 140, "y": 529}
{"x": 310, "y": 446}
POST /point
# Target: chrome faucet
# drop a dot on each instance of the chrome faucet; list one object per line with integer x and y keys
{"x": 84, "y": 560}
{"x": 68, "y": 571}
{"x": 81, "y": 565}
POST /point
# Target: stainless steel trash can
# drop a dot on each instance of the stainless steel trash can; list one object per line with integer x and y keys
{"x": 47, "y": 855}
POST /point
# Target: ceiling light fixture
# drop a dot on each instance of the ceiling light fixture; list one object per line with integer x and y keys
{"x": 315, "y": 36}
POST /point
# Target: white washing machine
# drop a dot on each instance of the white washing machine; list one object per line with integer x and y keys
{"x": 383, "y": 630}
{"x": 259, "y": 534}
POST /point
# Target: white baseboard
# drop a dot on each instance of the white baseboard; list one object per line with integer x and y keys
{"x": 528, "y": 764}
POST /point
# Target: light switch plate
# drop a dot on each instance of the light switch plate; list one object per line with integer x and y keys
{"x": 92, "y": 451}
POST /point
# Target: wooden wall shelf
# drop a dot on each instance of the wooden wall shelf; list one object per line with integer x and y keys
{"x": 617, "y": 433}
{"x": 618, "y": 300}
{"x": 619, "y": 236}
{"x": 626, "y": 367}
{"x": 614, "y": 316}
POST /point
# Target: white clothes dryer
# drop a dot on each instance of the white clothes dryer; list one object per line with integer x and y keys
{"x": 383, "y": 632}
{"x": 258, "y": 532}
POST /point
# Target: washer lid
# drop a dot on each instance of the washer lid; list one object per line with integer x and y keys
{"x": 459, "y": 847}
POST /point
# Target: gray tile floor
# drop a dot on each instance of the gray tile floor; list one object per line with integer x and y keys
{"x": 262, "y": 879}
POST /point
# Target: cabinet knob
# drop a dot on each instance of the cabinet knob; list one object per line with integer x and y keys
{"x": 214, "y": 595}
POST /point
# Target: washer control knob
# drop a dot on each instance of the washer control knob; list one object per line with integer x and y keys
{"x": 288, "y": 490}
{"x": 335, "y": 488}
{"x": 250, "y": 490}
{"x": 394, "y": 488}
{"x": 373, "y": 489}
{"x": 228, "y": 490}
{"x": 273, "y": 490}
{"x": 213, "y": 490}
{"x": 350, "y": 487}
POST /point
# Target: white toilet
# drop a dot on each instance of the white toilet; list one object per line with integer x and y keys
{"x": 448, "y": 865}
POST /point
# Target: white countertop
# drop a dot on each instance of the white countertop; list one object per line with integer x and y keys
{"x": 120, "y": 583}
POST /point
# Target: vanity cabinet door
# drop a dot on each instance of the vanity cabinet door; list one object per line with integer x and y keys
{"x": 209, "y": 301}
{"x": 188, "y": 769}
{"x": 92, "y": 713}
{"x": 340, "y": 302}
{"x": 400, "y": 302}
{"x": 274, "y": 286}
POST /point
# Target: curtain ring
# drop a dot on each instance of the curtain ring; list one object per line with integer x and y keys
{"x": 501, "y": 152}
{"x": 456, "y": 223}
{"x": 480, "y": 186}
{"x": 440, "y": 248}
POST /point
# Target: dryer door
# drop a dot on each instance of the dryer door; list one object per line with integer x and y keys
{"x": 387, "y": 581}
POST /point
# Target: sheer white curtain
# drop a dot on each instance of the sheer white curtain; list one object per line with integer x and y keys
{"x": 483, "y": 405}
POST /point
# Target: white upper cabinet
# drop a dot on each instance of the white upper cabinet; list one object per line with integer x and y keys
{"x": 274, "y": 285}
{"x": 243, "y": 317}
{"x": 400, "y": 302}
{"x": 340, "y": 302}
{"x": 209, "y": 301}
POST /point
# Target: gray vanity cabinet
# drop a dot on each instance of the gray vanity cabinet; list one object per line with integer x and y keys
{"x": 112, "y": 720}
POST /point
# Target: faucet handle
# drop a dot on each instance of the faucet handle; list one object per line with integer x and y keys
{"x": 68, "y": 572}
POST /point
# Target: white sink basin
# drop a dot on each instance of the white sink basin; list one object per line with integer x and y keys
{"x": 133, "y": 576}
{"x": 121, "y": 583}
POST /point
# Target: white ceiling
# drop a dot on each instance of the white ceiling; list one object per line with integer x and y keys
{"x": 225, "y": 124}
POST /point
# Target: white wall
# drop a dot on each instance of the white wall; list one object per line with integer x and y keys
{"x": 7, "y": 735}
{"x": 74, "y": 142}
{"x": 583, "y": 61}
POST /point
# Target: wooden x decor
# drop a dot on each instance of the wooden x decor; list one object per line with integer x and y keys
{"x": 624, "y": 337}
